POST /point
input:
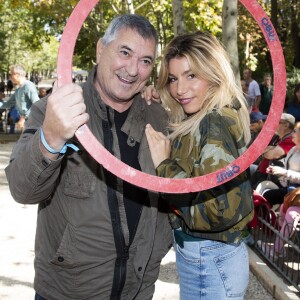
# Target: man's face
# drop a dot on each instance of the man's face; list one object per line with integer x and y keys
{"x": 256, "y": 126}
{"x": 268, "y": 81}
{"x": 282, "y": 127}
{"x": 246, "y": 74}
{"x": 15, "y": 77}
{"x": 124, "y": 67}
{"x": 42, "y": 92}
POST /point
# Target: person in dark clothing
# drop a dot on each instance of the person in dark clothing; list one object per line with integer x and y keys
{"x": 2, "y": 86}
{"x": 266, "y": 90}
{"x": 9, "y": 86}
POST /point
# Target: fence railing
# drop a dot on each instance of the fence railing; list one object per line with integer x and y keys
{"x": 267, "y": 234}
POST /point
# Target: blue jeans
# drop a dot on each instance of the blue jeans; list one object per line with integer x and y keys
{"x": 210, "y": 270}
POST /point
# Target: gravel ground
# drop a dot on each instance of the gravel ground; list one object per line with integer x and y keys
{"x": 17, "y": 229}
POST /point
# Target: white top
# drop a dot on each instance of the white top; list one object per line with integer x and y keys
{"x": 292, "y": 164}
{"x": 253, "y": 89}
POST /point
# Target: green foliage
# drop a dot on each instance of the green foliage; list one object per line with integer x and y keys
{"x": 29, "y": 29}
{"x": 22, "y": 34}
{"x": 293, "y": 78}
{"x": 259, "y": 59}
{"x": 204, "y": 15}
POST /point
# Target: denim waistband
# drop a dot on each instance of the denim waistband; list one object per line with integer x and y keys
{"x": 181, "y": 237}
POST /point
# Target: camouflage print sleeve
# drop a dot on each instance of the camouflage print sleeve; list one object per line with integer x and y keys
{"x": 218, "y": 142}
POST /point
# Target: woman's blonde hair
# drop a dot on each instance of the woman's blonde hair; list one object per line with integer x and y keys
{"x": 209, "y": 61}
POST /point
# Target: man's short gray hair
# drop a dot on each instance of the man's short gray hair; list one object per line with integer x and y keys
{"x": 18, "y": 69}
{"x": 132, "y": 21}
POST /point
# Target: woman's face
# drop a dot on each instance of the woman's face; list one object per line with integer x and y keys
{"x": 187, "y": 89}
{"x": 296, "y": 135}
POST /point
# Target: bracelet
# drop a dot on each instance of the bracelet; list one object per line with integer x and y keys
{"x": 63, "y": 150}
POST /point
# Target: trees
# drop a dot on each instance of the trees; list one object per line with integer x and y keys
{"x": 295, "y": 31}
{"x": 229, "y": 34}
{"x": 24, "y": 36}
{"x": 178, "y": 17}
{"x": 28, "y": 26}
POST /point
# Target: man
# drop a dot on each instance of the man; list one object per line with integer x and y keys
{"x": 97, "y": 236}
{"x": 42, "y": 92}
{"x": 2, "y": 86}
{"x": 266, "y": 90}
{"x": 253, "y": 88}
{"x": 277, "y": 149}
{"x": 257, "y": 121}
{"x": 26, "y": 93}
{"x": 250, "y": 100}
{"x": 9, "y": 86}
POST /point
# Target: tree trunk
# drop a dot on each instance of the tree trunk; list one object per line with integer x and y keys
{"x": 130, "y": 7}
{"x": 274, "y": 14}
{"x": 229, "y": 36}
{"x": 295, "y": 34}
{"x": 178, "y": 17}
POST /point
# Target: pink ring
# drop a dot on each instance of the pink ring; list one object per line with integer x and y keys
{"x": 167, "y": 185}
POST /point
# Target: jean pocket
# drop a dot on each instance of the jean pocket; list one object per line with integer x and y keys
{"x": 189, "y": 252}
{"x": 234, "y": 270}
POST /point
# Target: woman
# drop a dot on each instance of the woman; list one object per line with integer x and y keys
{"x": 288, "y": 220}
{"x": 209, "y": 124}
{"x": 289, "y": 176}
{"x": 293, "y": 107}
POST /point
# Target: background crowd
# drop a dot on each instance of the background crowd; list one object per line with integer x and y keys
{"x": 276, "y": 173}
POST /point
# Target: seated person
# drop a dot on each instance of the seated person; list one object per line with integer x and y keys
{"x": 279, "y": 146}
{"x": 257, "y": 121}
{"x": 289, "y": 217}
{"x": 289, "y": 175}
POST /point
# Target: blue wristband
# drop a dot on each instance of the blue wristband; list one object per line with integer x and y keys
{"x": 63, "y": 150}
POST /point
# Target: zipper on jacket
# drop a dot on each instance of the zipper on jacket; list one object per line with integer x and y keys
{"x": 120, "y": 269}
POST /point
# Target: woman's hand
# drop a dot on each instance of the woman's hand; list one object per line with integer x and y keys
{"x": 150, "y": 93}
{"x": 159, "y": 145}
{"x": 275, "y": 170}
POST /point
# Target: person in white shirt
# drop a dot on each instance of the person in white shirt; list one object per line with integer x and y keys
{"x": 253, "y": 89}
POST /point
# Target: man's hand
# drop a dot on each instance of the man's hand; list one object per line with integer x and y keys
{"x": 159, "y": 145}
{"x": 150, "y": 93}
{"x": 65, "y": 113}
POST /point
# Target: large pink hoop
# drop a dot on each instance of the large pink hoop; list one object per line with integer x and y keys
{"x": 167, "y": 185}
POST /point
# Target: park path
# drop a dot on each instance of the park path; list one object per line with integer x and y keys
{"x": 17, "y": 230}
